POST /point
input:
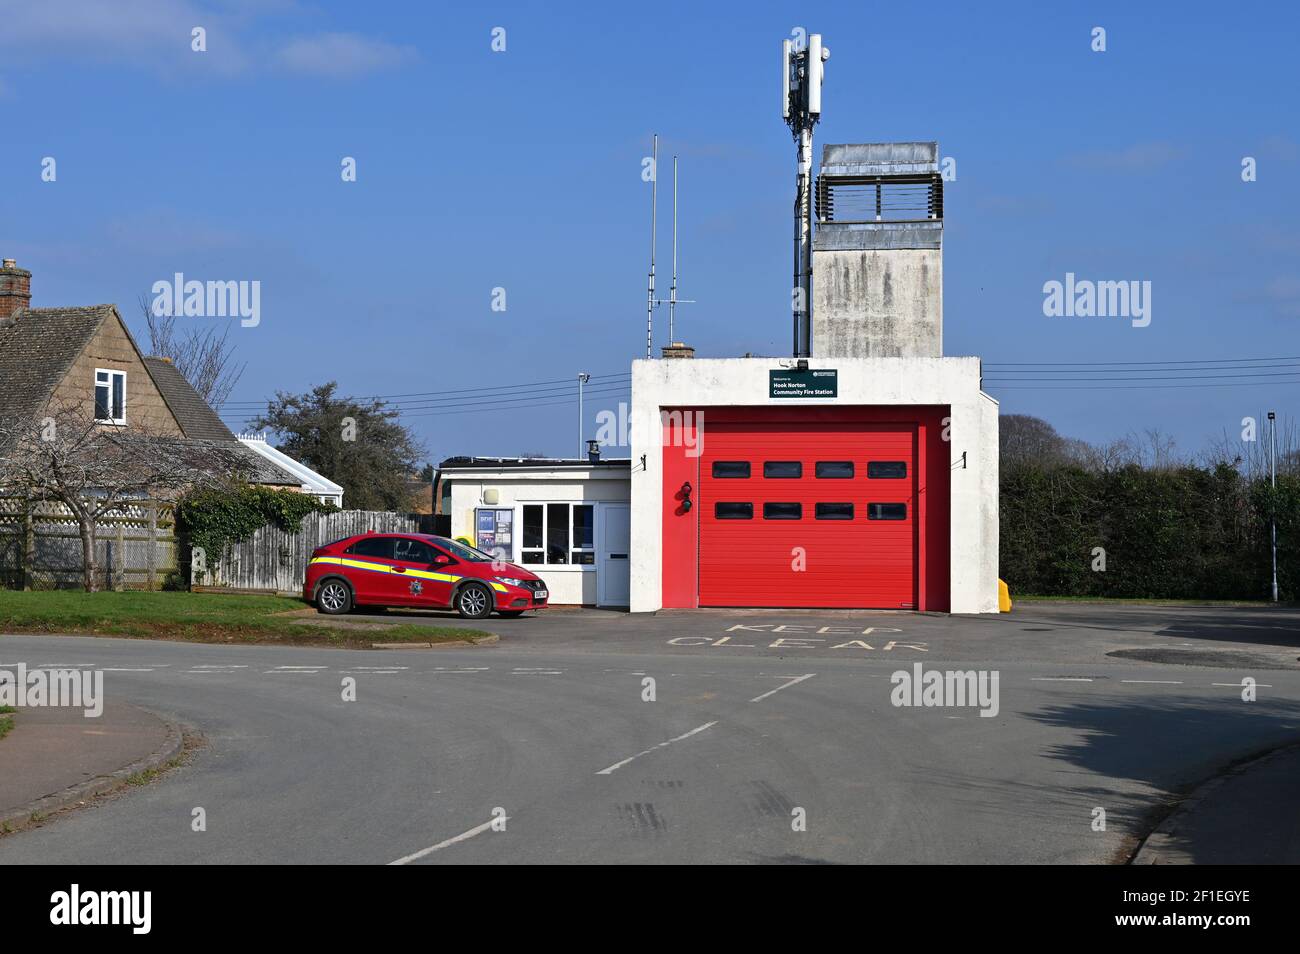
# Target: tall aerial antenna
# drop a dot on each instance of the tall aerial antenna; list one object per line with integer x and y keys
{"x": 801, "y": 106}
{"x": 673, "y": 301}
{"x": 672, "y": 294}
{"x": 650, "y": 288}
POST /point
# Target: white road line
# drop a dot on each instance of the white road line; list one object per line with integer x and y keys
{"x": 463, "y": 836}
{"x": 301, "y": 668}
{"x": 1153, "y": 682}
{"x": 1060, "y": 679}
{"x": 685, "y": 735}
{"x": 218, "y": 666}
{"x": 126, "y": 670}
{"x": 771, "y": 692}
{"x": 1237, "y": 685}
{"x": 379, "y": 668}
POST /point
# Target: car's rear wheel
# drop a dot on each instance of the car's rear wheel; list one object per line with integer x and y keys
{"x": 474, "y": 601}
{"x": 334, "y": 598}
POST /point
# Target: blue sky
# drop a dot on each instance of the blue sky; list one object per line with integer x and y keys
{"x": 521, "y": 170}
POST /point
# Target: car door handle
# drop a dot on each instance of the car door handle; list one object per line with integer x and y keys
{"x": 399, "y": 569}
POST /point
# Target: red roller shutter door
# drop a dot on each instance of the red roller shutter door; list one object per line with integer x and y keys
{"x": 857, "y": 562}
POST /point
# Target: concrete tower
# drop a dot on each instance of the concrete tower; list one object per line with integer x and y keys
{"x": 878, "y": 252}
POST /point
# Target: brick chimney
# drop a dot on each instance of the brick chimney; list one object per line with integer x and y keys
{"x": 15, "y": 288}
{"x": 678, "y": 349}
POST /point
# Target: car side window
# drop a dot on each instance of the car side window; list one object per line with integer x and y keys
{"x": 414, "y": 551}
{"x": 373, "y": 547}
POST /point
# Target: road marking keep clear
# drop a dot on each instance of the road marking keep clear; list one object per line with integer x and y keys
{"x": 810, "y": 637}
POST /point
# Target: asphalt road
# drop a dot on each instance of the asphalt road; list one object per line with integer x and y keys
{"x": 551, "y": 731}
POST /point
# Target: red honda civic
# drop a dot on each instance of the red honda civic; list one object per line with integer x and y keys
{"x": 421, "y": 571}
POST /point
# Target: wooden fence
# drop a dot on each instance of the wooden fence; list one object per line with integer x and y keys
{"x": 272, "y": 560}
{"x": 40, "y": 546}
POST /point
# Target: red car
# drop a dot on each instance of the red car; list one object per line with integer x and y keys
{"x": 417, "y": 570}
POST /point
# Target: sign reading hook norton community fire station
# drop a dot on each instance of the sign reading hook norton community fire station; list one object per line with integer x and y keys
{"x": 792, "y": 383}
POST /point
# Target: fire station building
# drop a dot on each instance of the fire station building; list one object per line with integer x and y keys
{"x": 865, "y": 475}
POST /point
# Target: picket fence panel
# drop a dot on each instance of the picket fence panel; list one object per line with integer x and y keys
{"x": 273, "y": 560}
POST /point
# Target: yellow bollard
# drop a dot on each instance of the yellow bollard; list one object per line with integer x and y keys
{"x": 1004, "y": 598}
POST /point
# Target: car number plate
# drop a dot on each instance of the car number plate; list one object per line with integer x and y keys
{"x": 540, "y": 594}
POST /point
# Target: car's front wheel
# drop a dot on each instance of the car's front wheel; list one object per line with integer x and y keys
{"x": 474, "y": 601}
{"x": 334, "y": 598}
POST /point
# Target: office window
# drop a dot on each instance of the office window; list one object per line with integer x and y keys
{"x": 782, "y": 468}
{"x": 835, "y": 511}
{"x": 558, "y": 533}
{"x": 782, "y": 511}
{"x": 727, "y": 469}
{"x": 534, "y": 539}
{"x": 733, "y": 511}
{"x": 886, "y": 511}
{"x": 110, "y": 396}
{"x": 584, "y": 534}
{"x": 834, "y": 469}
{"x": 886, "y": 469}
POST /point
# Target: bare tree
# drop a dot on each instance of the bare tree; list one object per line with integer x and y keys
{"x": 1158, "y": 450}
{"x": 1110, "y": 456}
{"x": 1024, "y": 439}
{"x": 203, "y": 357}
{"x": 95, "y": 469}
{"x": 1248, "y": 450}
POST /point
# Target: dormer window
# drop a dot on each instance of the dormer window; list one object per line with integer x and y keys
{"x": 110, "y": 396}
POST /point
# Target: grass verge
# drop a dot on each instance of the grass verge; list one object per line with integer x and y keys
{"x": 6, "y": 720}
{"x": 1136, "y": 601}
{"x": 202, "y": 618}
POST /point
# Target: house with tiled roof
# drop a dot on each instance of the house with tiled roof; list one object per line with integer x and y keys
{"x": 85, "y": 357}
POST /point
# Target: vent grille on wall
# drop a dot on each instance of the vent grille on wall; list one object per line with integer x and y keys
{"x": 893, "y": 198}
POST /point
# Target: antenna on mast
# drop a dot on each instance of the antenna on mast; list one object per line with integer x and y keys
{"x": 650, "y": 288}
{"x": 651, "y": 301}
{"x": 672, "y": 294}
{"x": 801, "y": 106}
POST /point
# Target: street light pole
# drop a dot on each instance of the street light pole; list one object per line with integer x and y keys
{"x": 1272, "y": 466}
{"x": 583, "y": 378}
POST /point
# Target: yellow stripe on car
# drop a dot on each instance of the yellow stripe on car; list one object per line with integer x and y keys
{"x": 386, "y": 568}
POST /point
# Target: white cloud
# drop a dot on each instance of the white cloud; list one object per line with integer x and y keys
{"x": 341, "y": 54}
{"x": 1136, "y": 158}
{"x": 155, "y": 35}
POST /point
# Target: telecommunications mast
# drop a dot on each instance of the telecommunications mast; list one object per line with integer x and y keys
{"x": 801, "y": 106}
{"x": 672, "y": 301}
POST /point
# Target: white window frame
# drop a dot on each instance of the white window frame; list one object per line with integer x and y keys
{"x": 546, "y": 526}
{"x": 110, "y": 374}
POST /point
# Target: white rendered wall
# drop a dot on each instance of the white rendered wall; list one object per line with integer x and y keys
{"x": 568, "y": 584}
{"x": 743, "y": 382}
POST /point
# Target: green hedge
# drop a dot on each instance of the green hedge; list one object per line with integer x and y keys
{"x": 1179, "y": 533}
